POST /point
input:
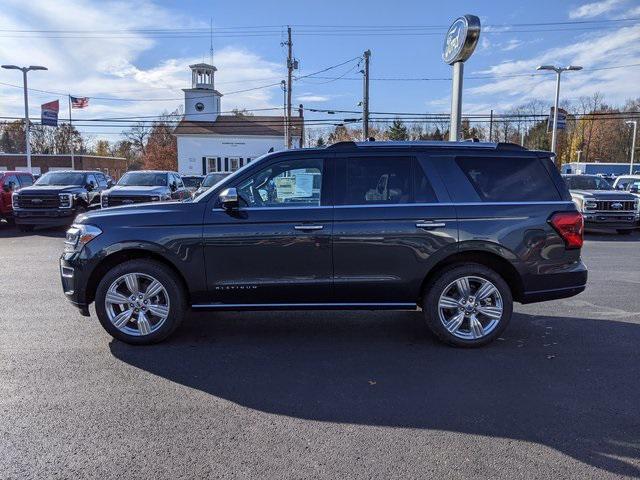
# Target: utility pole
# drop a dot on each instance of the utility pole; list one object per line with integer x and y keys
{"x": 292, "y": 65}
{"x": 491, "y": 127}
{"x": 633, "y": 143}
{"x": 365, "y": 97}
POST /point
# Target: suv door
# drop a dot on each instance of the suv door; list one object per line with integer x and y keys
{"x": 392, "y": 222}
{"x": 275, "y": 248}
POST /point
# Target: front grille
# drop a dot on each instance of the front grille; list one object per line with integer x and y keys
{"x": 608, "y": 206}
{"x": 122, "y": 200}
{"x": 38, "y": 202}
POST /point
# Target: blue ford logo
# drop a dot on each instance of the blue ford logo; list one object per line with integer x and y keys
{"x": 461, "y": 39}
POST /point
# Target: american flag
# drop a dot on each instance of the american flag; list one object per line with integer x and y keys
{"x": 79, "y": 102}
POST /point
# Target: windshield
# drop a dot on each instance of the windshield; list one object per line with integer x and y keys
{"x": 192, "y": 181}
{"x": 584, "y": 182}
{"x": 143, "y": 179}
{"x": 61, "y": 178}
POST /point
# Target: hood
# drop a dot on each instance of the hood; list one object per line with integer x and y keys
{"x": 604, "y": 194}
{"x": 136, "y": 190}
{"x": 164, "y": 214}
{"x": 51, "y": 189}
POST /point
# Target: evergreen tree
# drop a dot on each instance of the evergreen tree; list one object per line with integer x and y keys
{"x": 398, "y": 130}
{"x": 320, "y": 142}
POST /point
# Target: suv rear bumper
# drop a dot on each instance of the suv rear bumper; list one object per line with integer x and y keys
{"x": 569, "y": 282}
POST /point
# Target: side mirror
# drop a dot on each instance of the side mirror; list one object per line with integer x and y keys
{"x": 8, "y": 187}
{"x": 110, "y": 183}
{"x": 634, "y": 189}
{"x": 89, "y": 187}
{"x": 173, "y": 186}
{"x": 229, "y": 198}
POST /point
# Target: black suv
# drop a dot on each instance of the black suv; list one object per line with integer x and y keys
{"x": 460, "y": 230}
{"x": 57, "y": 197}
{"x": 603, "y": 207}
{"x": 145, "y": 186}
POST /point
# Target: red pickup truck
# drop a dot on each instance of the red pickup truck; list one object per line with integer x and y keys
{"x": 11, "y": 182}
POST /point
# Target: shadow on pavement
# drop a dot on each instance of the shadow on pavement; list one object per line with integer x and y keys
{"x": 11, "y": 231}
{"x": 611, "y": 236}
{"x": 553, "y": 381}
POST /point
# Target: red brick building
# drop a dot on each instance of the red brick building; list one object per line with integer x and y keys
{"x": 42, "y": 163}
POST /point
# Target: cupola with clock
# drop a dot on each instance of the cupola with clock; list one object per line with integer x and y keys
{"x": 202, "y": 100}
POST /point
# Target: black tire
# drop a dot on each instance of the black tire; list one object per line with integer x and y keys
{"x": 26, "y": 228}
{"x": 624, "y": 232}
{"x": 172, "y": 285}
{"x": 443, "y": 282}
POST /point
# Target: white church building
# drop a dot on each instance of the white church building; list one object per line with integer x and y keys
{"x": 209, "y": 142}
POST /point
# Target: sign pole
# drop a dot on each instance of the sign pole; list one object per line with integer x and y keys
{"x": 455, "y": 129}
{"x": 73, "y": 163}
{"x": 459, "y": 43}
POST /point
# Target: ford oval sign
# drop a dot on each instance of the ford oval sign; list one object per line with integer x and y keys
{"x": 461, "y": 39}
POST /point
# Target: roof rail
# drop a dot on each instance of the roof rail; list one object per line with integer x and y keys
{"x": 509, "y": 146}
{"x": 348, "y": 144}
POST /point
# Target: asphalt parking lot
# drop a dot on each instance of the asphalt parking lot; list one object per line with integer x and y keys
{"x": 319, "y": 395}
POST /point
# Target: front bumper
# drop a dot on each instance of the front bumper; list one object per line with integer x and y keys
{"x": 74, "y": 275}
{"x": 620, "y": 221}
{"x": 50, "y": 217}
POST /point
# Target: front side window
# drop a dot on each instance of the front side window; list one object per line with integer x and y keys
{"x": 11, "y": 181}
{"x": 61, "y": 178}
{"x": 102, "y": 181}
{"x": 284, "y": 184}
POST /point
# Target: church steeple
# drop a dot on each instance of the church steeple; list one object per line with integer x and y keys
{"x": 202, "y": 75}
{"x": 202, "y": 100}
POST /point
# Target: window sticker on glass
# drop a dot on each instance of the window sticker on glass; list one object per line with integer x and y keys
{"x": 303, "y": 185}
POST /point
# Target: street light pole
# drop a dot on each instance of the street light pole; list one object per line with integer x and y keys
{"x": 633, "y": 143}
{"x": 558, "y": 71}
{"x": 27, "y": 133}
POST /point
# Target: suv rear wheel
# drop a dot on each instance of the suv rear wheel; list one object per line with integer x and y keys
{"x": 140, "y": 302}
{"x": 468, "y": 305}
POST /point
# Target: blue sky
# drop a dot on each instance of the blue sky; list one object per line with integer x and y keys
{"x": 116, "y": 56}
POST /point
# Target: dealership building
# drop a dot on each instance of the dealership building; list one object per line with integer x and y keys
{"x": 209, "y": 142}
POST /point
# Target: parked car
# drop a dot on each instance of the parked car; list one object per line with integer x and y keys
{"x": 145, "y": 186}
{"x": 192, "y": 182}
{"x": 209, "y": 181}
{"x": 461, "y": 230}
{"x": 11, "y": 182}
{"x": 602, "y": 206}
{"x": 57, "y": 197}
{"x": 631, "y": 184}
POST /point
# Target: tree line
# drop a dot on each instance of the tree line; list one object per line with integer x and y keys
{"x": 595, "y": 130}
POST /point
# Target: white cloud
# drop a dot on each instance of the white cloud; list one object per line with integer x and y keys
{"x": 117, "y": 65}
{"x": 593, "y": 9}
{"x": 593, "y": 52}
{"x": 312, "y": 98}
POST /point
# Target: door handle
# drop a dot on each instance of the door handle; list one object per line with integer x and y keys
{"x": 430, "y": 225}
{"x": 308, "y": 227}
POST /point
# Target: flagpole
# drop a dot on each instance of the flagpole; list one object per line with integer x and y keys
{"x": 73, "y": 163}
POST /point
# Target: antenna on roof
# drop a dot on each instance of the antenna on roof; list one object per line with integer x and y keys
{"x": 211, "y": 40}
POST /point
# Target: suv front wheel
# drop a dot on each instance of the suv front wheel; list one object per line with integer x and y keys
{"x": 140, "y": 302}
{"x": 468, "y": 305}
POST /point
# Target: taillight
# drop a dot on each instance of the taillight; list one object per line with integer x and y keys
{"x": 570, "y": 226}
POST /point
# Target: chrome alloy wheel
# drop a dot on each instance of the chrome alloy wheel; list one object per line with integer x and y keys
{"x": 470, "y": 307}
{"x": 137, "y": 304}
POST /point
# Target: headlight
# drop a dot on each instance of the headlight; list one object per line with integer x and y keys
{"x": 104, "y": 200}
{"x": 66, "y": 200}
{"x": 590, "y": 205}
{"x": 14, "y": 201}
{"x": 78, "y": 236}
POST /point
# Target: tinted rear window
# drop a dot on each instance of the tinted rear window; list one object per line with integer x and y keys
{"x": 509, "y": 179}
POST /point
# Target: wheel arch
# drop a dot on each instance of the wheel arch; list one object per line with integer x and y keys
{"x": 490, "y": 259}
{"x": 130, "y": 253}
